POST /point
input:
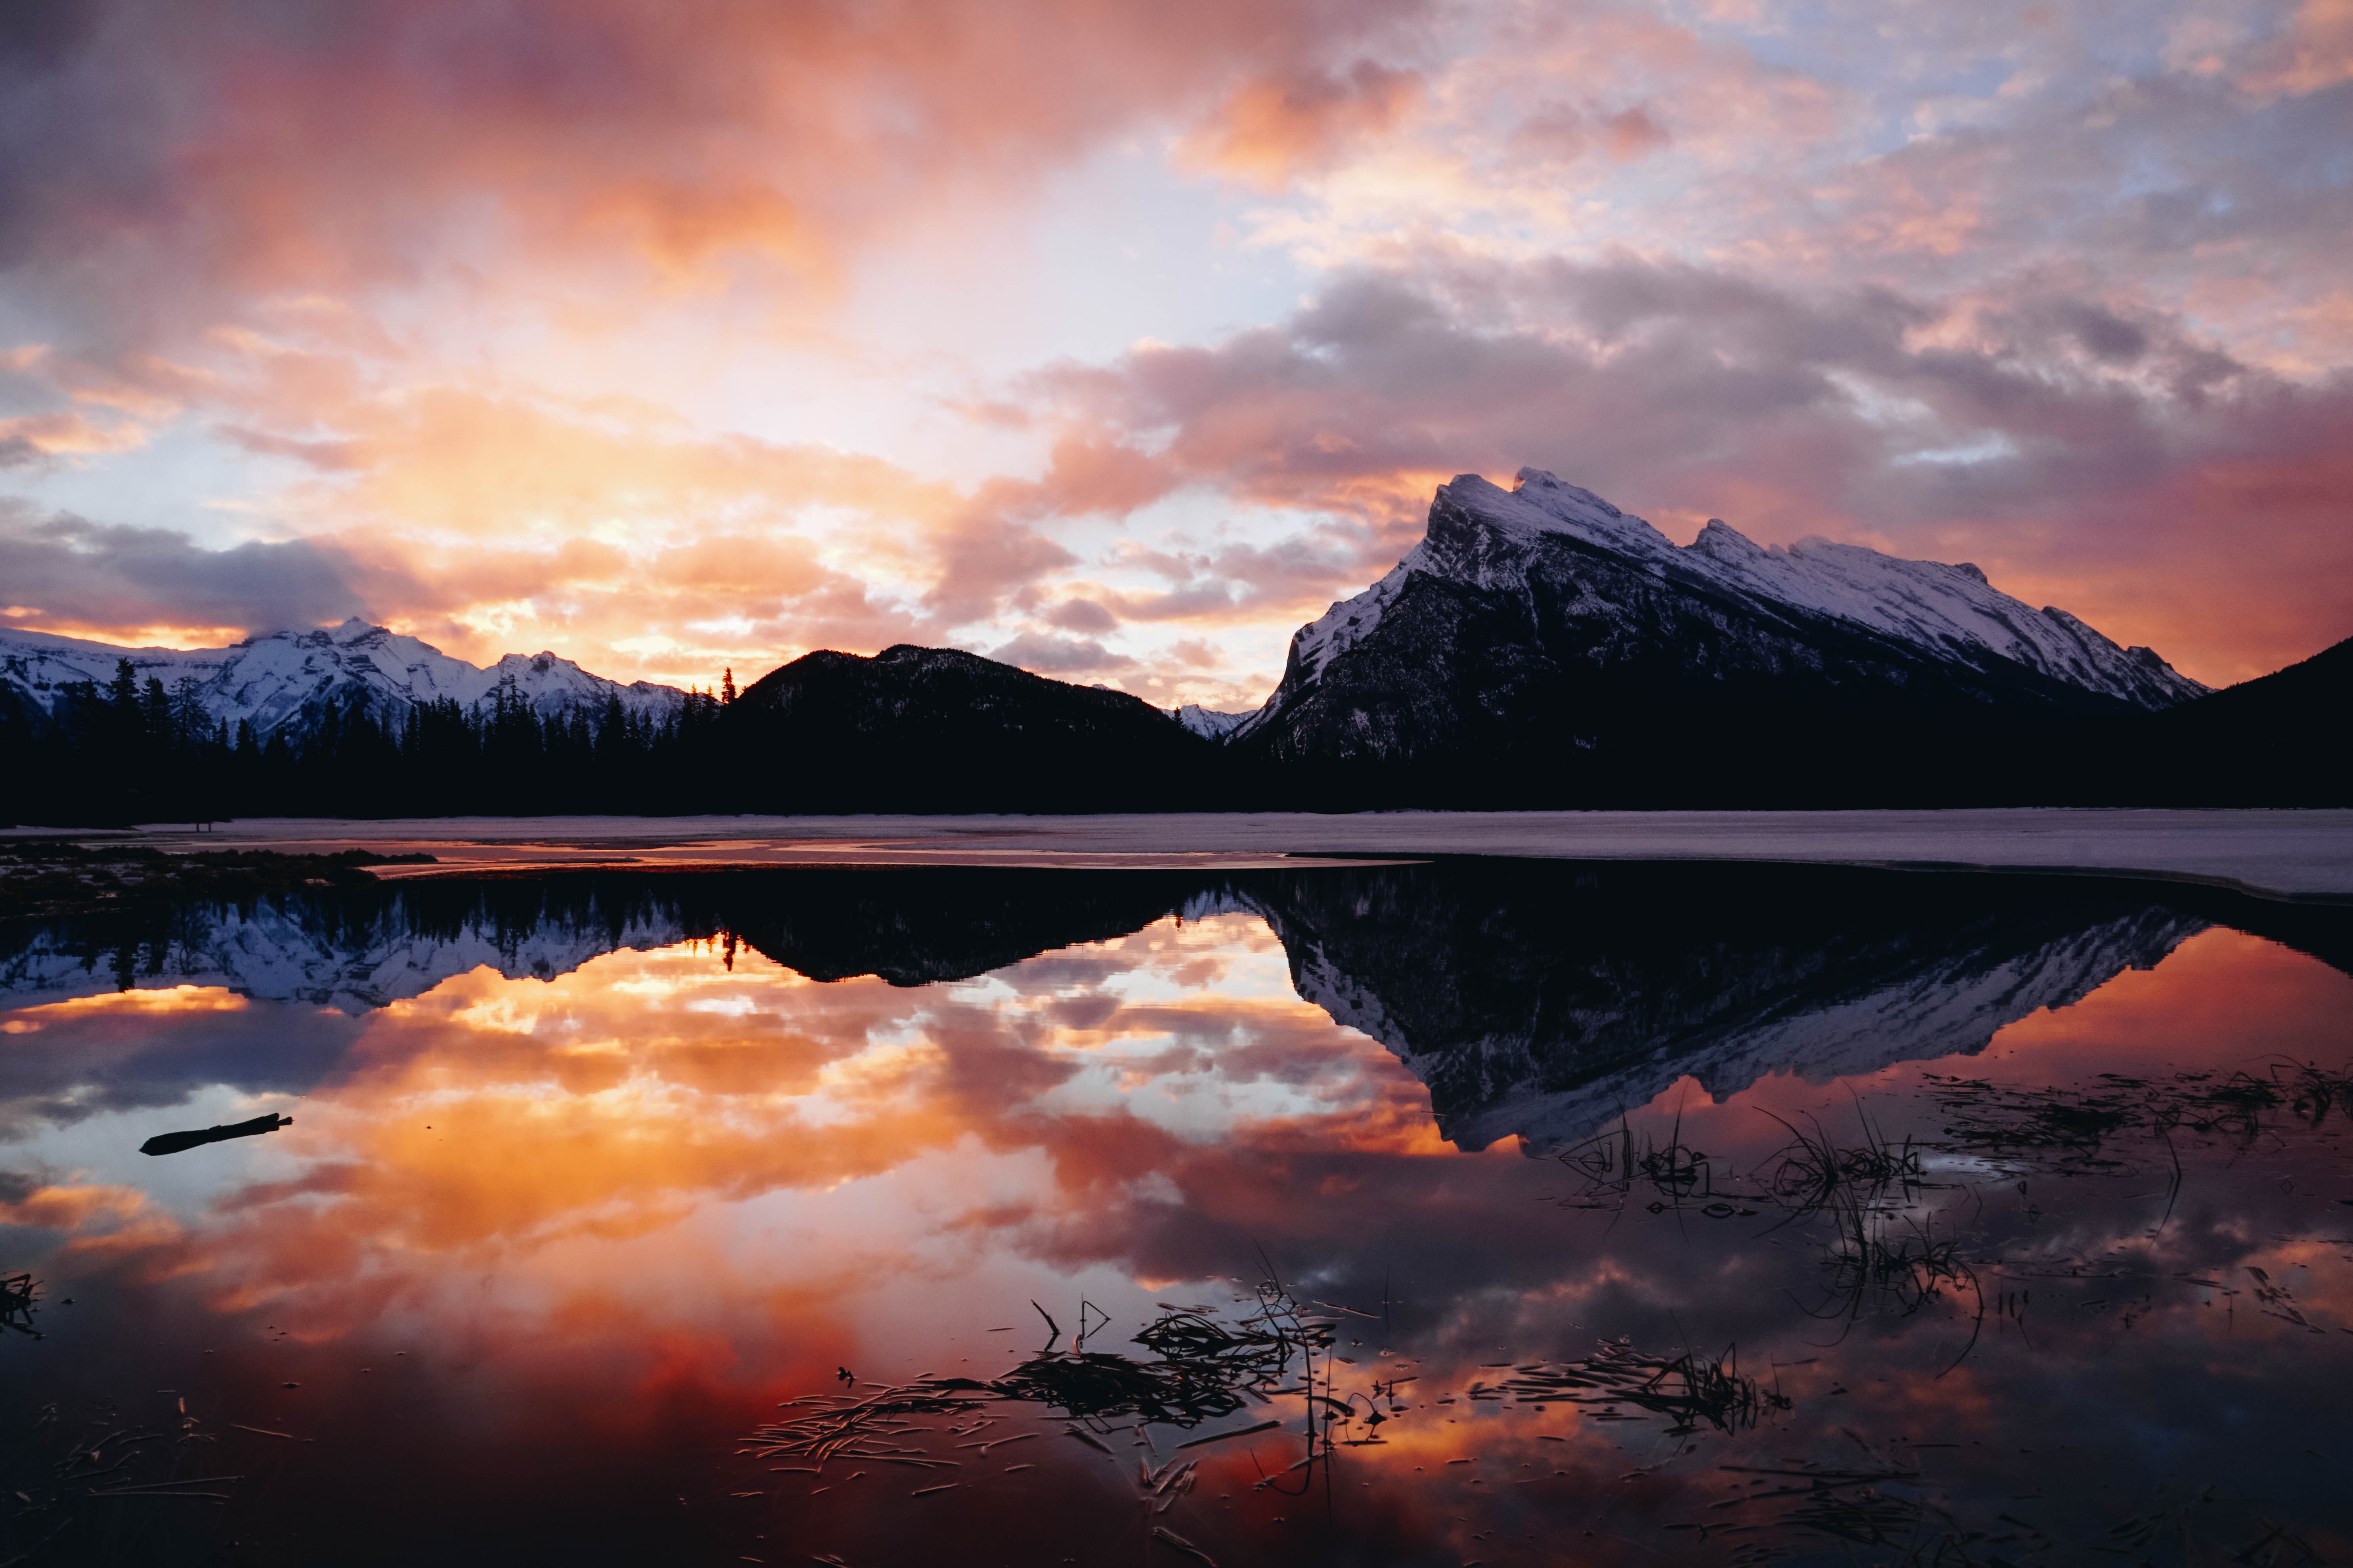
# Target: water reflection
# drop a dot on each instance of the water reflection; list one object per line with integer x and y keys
{"x": 196, "y": 1137}
{"x": 1549, "y": 1214}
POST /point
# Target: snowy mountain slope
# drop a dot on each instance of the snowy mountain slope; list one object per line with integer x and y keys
{"x": 289, "y": 678}
{"x": 1545, "y": 608}
{"x": 1930, "y": 604}
{"x": 1210, "y": 723}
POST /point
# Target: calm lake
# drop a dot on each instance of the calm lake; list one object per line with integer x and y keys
{"x": 1464, "y": 1213}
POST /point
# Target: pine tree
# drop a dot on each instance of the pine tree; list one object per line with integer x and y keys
{"x": 188, "y": 727}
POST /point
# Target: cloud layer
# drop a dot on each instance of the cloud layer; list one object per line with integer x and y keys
{"x": 676, "y": 341}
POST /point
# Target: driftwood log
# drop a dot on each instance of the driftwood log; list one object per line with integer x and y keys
{"x": 174, "y": 1143}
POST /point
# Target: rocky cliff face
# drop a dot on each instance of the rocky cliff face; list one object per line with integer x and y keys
{"x": 1543, "y": 625}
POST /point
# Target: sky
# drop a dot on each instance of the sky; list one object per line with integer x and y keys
{"x": 1115, "y": 339}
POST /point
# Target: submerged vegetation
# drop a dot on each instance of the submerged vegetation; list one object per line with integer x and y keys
{"x": 1205, "y": 1369}
{"x": 1614, "y": 1164}
{"x": 1688, "y": 1389}
{"x": 48, "y": 877}
{"x": 17, "y": 1292}
{"x": 104, "y": 1492}
{"x": 1886, "y": 1252}
{"x": 2071, "y": 1131}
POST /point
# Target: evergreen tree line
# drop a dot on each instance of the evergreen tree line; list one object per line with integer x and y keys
{"x": 934, "y": 731}
{"x": 128, "y": 752}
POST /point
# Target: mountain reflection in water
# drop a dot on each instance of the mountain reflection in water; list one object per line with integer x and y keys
{"x": 1514, "y": 1212}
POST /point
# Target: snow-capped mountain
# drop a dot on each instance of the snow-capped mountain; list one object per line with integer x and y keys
{"x": 289, "y": 678}
{"x": 1210, "y": 723}
{"x": 1546, "y": 607}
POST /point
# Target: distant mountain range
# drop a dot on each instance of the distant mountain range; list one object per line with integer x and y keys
{"x": 288, "y": 679}
{"x": 1538, "y": 647}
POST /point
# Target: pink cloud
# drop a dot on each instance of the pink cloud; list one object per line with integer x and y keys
{"x": 2115, "y": 466}
{"x": 2085, "y": 325}
{"x": 539, "y": 145}
{"x": 1273, "y": 129}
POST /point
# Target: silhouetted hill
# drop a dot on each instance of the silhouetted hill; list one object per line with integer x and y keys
{"x": 1566, "y": 658}
{"x": 2282, "y": 739}
{"x": 929, "y": 728}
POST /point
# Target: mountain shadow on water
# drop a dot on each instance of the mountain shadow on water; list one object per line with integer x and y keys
{"x": 1534, "y": 998}
{"x": 920, "y": 927}
{"x": 367, "y": 947}
{"x": 1538, "y": 999}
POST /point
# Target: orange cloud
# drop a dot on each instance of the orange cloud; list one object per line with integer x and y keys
{"x": 2313, "y": 52}
{"x": 1270, "y": 132}
{"x": 563, "y": 141}
{"x": 618, "y": 1099}
{"x": 77, "y": 1209}
{"x": 470, "y": 300}
{"x": 67, "y": 432}
{"x": 682, "y": 231}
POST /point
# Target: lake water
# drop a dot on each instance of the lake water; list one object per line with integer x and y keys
{"x": 1479, "y": 1212}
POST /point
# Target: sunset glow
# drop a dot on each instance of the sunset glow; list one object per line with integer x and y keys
{"x": 1116, "y": 341}
{"x": 666, "y": 1108}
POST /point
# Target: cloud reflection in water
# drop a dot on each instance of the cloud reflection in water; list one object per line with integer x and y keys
{"x": 583, "y": 1232}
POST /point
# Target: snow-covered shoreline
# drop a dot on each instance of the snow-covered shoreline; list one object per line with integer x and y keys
{"x": 2281, "y": 854}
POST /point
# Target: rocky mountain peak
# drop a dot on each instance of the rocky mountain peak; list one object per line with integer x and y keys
{"x": 1522, "y": 608}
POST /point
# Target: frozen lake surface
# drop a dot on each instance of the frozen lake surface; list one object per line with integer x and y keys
{"x": 2289, "y": 854}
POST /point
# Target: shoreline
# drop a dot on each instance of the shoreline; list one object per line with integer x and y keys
{"x": 2287, "y": 855}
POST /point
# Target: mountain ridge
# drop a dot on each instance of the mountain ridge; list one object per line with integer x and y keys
{"x": 1489, "y": 540}
{"x": 286, "y": 680}
{"x": 1540, "y": 646}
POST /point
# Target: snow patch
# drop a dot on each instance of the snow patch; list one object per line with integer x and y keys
{"x": 1210, "y": 723}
